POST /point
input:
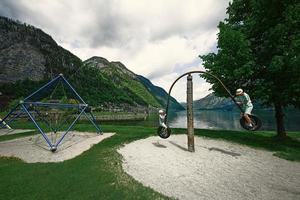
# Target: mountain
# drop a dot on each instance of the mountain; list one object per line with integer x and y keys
{"x": 160, "y": 94}
{"x": 212, "y": 102}
{"x": 128, "y": 80}
{"x": 29, "y": 58}
{"x": 28, "y": 53}
{"x": 122, "y": 78}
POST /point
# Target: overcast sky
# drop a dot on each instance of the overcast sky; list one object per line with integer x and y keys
{"x": 157, "y": 39}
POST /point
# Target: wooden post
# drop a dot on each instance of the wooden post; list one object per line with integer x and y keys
{"x": 190, "y": 120}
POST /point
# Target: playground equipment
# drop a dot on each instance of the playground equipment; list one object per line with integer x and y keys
{"x": 166, "y": 132}
{"x": 5, "y": 125}
{"x": 56, "y": 106}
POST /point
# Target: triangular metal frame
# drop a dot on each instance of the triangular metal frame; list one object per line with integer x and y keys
{"x": 26, "y": 103}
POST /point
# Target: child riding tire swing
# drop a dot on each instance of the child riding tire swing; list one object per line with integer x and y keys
{"x": 163, "y": 130}
{"x": 248, "y": 121}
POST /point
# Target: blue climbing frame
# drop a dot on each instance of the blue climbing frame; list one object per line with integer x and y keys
{"x": 26, "y": 104}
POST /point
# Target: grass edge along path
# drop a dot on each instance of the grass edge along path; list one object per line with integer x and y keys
{"x": 288, "y": 149}
{"x": 98, "y": 173}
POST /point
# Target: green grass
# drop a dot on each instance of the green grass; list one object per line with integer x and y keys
{"x": 288, "y": 149}
{"x": 97, "y": 173}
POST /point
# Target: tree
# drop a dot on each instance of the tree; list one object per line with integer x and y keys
{"x": 258, "y": 50}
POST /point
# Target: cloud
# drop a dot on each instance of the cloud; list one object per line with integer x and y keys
{"x": 157, "y": 39}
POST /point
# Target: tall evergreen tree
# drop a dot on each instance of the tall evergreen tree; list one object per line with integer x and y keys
{"x": 258, "y": 50}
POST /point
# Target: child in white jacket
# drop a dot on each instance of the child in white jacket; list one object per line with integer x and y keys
{"x": 244, "y": 100}
{"x": 162, "y": 116}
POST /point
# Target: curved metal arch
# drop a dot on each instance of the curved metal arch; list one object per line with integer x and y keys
{"x": 198, "y": 72}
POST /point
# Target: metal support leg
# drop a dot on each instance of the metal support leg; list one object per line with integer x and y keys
{"x": 15, "y": 116}
{"x": 38, "y": 127}
{"x": 2, "y": 123}
{"x": 93, "y": 120}
{"x": 73, "y": 123}
{"x": 45, "y": 121}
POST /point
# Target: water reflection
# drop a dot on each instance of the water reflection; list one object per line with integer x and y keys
{"x": 216, "y": 119}
{"x": 213, "y": 119}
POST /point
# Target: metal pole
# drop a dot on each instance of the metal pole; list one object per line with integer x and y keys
{"x": 55, "y": 105}
{"x": 93, "y": 120}
{"x": 38, "y": 127}
{"x": 43, "y": 87}
{"x": 190, "y": 120}
{"x": 6, "y": 125}
{"x": 73, "y": 123}
{"x": 73, "y": 90}
{"x": 198, "y": 72}
{"x": 7, "y": 115}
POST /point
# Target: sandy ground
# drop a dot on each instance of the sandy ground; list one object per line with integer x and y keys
{"x": 13, "y": 131}
{"x": 34, "y": 149}
{"x": 217, "y": 170}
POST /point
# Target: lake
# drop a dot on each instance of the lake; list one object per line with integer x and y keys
{"x": 229, "y": 120}
{"x": 218, "y": 119}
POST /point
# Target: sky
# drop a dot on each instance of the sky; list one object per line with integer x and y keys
{"x": 157, "y": 39}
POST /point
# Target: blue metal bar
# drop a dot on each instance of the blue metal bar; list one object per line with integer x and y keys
{"x": 47, "y": 123}
{"x": 77, "y": 118}
{"x": 7, "y": 115}
{"x": 58, "y": 127}
{"x": 10, "y": 120}
{"x": 62, "y": 105}
{"x": 74, "y": 91}
{"x": 38, "y": 127}
{"x": 44, "y": 86}
{"x": 92, "y": 119}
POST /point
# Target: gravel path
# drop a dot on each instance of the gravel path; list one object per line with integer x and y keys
{"x": 217, "y": 170}
{"x": 34, "y": 149}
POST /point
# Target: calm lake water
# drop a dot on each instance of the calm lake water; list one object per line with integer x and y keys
{"x": 229, "y": 120}
{"x": 217, "y": 119}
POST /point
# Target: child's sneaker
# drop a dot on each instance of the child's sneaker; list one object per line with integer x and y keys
{"x": 250, "y": 126}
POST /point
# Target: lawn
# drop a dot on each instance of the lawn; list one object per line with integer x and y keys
{"x": 98, "y": 174}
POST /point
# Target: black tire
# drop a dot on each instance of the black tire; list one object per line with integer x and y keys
{"x": 164, "y": 133}
{"x": 256, "y": 122}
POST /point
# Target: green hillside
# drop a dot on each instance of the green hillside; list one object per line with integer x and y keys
{"x": 160, "y": 94}
{"x": 123, "y": 79}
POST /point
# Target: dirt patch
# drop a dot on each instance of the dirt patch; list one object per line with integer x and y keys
{"x": 34, "y": 149}
{"x": 217, "y": 170}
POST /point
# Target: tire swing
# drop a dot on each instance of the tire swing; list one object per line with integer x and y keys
{"x": 164, "y": 133}
{"x": 255, "y": 120}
